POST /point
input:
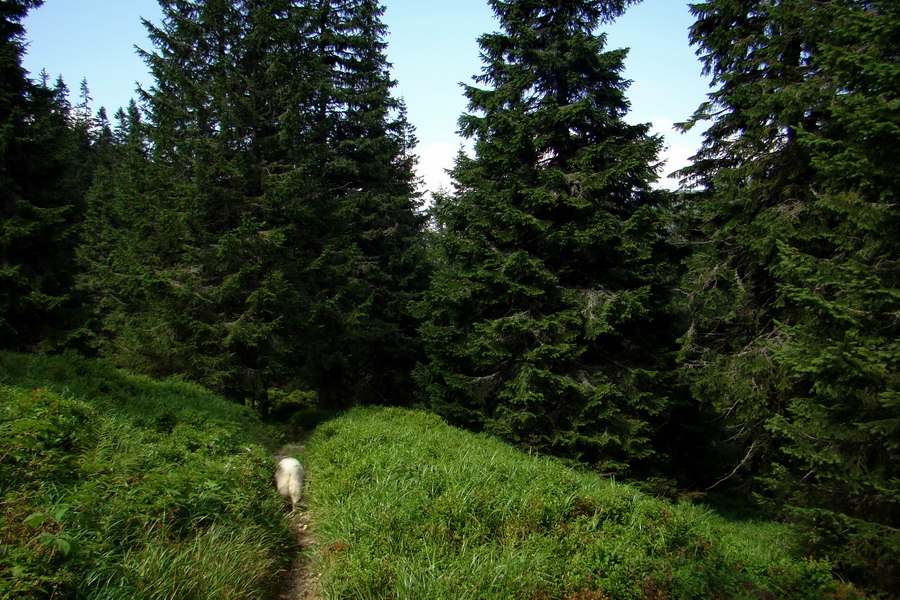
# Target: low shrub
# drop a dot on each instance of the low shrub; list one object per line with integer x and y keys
{"x": 113, "y": 486}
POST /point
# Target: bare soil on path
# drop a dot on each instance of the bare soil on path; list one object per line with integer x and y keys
{"x": 299, "y": 582}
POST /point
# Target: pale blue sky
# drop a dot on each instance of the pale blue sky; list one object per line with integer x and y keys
{"x": 432, "y": 45}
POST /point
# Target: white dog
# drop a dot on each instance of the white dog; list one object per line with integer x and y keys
{"x": 289, "y": 479}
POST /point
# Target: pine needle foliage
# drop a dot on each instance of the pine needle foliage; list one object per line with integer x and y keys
{"x": 794, "y": 292}
{"x": 362, "y": 344}
{"x": 542, "y": 322}
{"x": 260, "y": 226}
{"x": 39, "y": 200}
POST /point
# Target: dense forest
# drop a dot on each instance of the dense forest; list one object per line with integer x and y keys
{"x": 251, "y": 222}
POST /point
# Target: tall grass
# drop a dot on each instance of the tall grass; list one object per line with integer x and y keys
{"x": 114, "y": 486}
{"x": 405, "y": 506}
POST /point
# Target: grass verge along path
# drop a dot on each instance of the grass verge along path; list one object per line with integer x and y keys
{"x": 404, "y": 506}
{"x": 121, "y": 487}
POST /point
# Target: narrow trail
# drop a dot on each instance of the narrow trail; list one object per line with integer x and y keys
{"x": 299, "y": 582}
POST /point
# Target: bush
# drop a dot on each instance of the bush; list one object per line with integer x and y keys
{"x": 114, "y": 486}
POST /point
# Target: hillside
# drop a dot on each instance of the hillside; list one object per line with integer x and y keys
{"x": 115, "y": 486}
{"x": 405, "y": 506}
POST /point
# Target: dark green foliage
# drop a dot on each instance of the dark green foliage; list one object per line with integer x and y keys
{"x": 39, "y": 200}
{"x": 544, "y": 319}
{"x": 361, "y": 163}
{"x": 795, "y": 301}
{"x": 253, "y": 225}
{"x": 215, "y": 289}
{"x": 115, "y": 208}
{"x": 262, "y": 221}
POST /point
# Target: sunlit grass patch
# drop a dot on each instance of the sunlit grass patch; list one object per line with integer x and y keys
{"x": 407, "y": 507}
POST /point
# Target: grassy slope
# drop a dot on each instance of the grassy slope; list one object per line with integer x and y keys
{"x": 405, "y": 506}
{"x": 114, "y": 486}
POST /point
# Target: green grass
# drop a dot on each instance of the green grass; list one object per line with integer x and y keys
{"x": 121, "y": 487}
{"x": 404, "y": 506}
{"x": 115, "y": 486}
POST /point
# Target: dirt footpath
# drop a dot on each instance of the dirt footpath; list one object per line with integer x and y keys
{"x": 299, "y": 582}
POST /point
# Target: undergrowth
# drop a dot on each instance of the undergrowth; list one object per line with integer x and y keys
{"x": 114, "y": 486}
{"x": 405, "y": 506}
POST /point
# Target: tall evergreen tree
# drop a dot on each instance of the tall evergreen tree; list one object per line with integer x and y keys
{"x": 542, "y": 323}
{"x": 221, "y": 206}
{"x": 795, "y": 296}
{"x": 366, "y": 167}
{"x": 254, "y": 197}
{"x": 121, "y": 243}
{"x": 39, "y": 212}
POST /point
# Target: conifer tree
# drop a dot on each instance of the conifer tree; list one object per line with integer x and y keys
{"x": 254, "y": 194}
{"x": 795, "y": 297}
{"x": 542, "y": 323}
{"x": 366, "y": 167}
{"x": 214, "y": 296}
{"x": 39, "y": 211}
{"x": 85, "y": 147}
{"x": 121, "y": 244}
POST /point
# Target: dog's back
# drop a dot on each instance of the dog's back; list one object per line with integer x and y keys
{"x": 289, "y": 479}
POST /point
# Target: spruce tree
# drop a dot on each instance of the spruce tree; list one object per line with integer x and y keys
{"x": 121, "y": 244}
{"x": 365, "y": 167}
{"x": 794, "y": 291}
{"x": 543, "y": 320}
{"x": 216, "y": 300}
{"x": 255, "y": 263}
{"x": 39, "y": 210}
